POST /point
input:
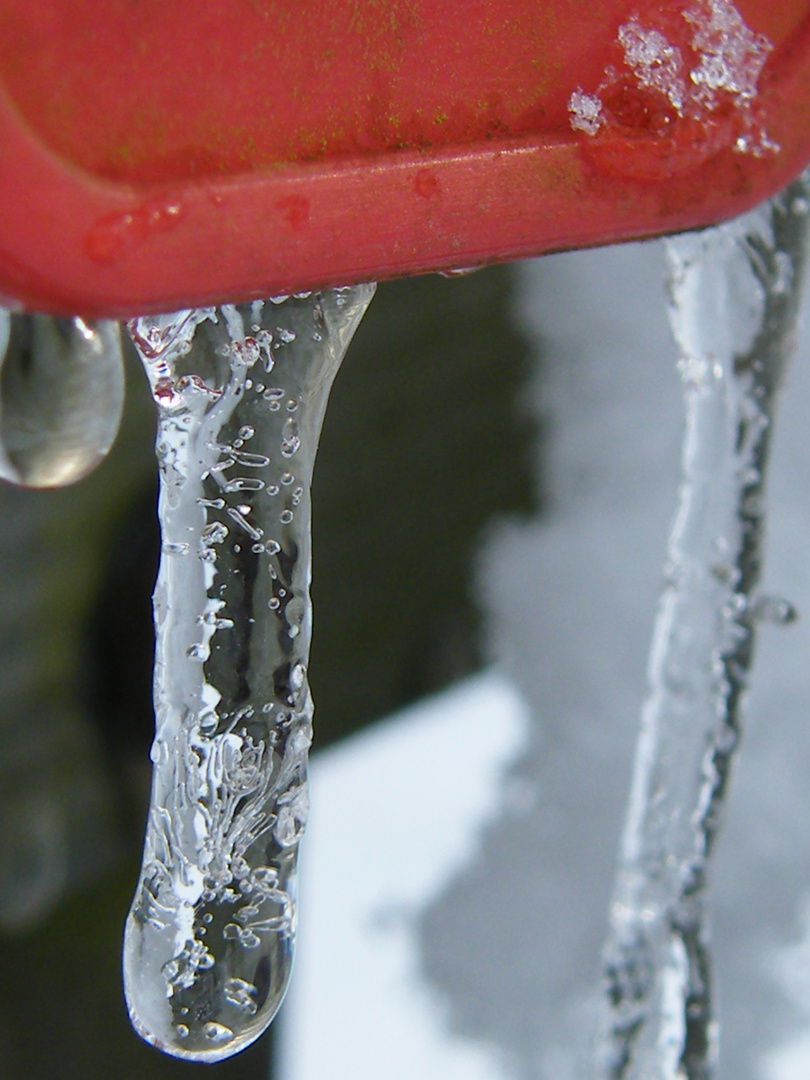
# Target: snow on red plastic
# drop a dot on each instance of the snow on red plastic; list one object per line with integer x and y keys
{"x": 683, "y": 86}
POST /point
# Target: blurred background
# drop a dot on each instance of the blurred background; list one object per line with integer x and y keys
{"x": 426, "y": 442}
{"x": 496, "y": 478}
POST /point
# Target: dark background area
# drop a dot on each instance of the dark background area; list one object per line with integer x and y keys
{"x": 424, "y": 444}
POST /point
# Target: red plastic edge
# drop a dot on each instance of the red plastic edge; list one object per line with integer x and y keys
{"x": 72, "y": 244}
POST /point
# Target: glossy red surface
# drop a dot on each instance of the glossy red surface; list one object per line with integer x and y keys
{"x": 155, "y": 155}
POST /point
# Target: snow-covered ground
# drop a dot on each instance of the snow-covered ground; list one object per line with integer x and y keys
{"x": 459, "y": 860}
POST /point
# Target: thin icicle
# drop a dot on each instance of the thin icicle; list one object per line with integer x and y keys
{"x": 241, "y": 393}
{"x": 735, "y": 295}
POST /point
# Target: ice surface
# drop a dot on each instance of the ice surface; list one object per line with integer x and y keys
{"x": 586, "y": 112}
{"x": 656, "y": 64}
{"x": 731, "y": 55}
{"x": 734, "y": 320}
{"x": 209, "y": 938}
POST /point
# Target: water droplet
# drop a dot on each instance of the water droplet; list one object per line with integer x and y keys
{"x": 115, "y": 232}
{"x": 426, "y": 183}
{"x": 462, "y": 271}
{"x": 285, "y": 517}
{"x": 775, "y": 610}
{"x": 61, "y": 397}
{"x": 209, "y": 722}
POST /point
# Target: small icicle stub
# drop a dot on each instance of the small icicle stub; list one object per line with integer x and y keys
{"x": 61, "y": 397}
{"x": 735, "y": 293}
{"x": 241, "y": 393}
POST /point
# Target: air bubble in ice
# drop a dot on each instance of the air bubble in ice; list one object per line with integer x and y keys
{"x": 290, "y": 440}
{"x": 251, "y": 461}
{"x": 242, "y": 994}
{"x": 217, "y": 1033}
{"x": 174, "y": 547}
{"x": 243, "y": 483}
{"x": 238, "y": 515}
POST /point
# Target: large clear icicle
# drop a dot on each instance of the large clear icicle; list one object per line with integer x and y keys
{"x": 61, "y": 396}
{"x": 241, "y": 393}
{"x": 735, "y": 293}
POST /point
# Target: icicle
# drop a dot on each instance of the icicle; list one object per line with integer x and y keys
{"x": 241, "y": 393}
{"x": 61, "y": 397}
{"x": 735, "y": 295}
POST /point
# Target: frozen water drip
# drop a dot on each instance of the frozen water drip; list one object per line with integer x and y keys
{"x": 61, "y": 397}
{"x": 241, "y": 393}
{"x": 735, "y": 293}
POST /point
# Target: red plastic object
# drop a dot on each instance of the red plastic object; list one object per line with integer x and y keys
{"x": 156, "y": 154}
